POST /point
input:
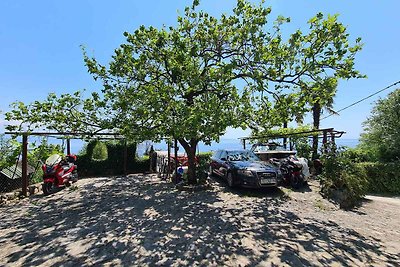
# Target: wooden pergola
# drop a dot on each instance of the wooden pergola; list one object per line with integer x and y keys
{"x": 63, "y": 135}
{"x": 324, "y": 134}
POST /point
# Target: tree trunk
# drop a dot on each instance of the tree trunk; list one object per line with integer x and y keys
{"x": 316, "y": 110}
{"x": 190, "y": 149}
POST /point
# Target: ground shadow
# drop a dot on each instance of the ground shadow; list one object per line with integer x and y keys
{"x": 140, "y": 220}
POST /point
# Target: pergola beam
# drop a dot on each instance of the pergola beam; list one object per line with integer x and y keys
{"x": 290, "y": 134}
{"x": 310, "y": 134}
{"x": 63, "y": 133}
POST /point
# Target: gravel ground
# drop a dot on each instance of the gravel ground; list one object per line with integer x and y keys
{"x": 140, "y": 220}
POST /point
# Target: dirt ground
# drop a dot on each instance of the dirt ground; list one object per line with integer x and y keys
{"x": 142, "y": 221}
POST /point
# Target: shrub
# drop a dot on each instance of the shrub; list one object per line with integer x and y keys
{"x": 342, "y": 180}
{"x": 382, "y": 177}
{"x": 114, "y": 164}
{"x": 359, "y": 154}
{"x": 204, "y": 163}
{"x": 303, "y": 147}
{"x": 100, "y": 151}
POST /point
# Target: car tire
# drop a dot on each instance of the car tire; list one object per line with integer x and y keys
{"x": 210, "y": 171}
{"x": 229, "y": 179}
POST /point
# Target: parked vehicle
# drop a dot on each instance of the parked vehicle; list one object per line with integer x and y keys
{"x": 244, "y": 168}
{"x": 295, "y": 171}
{"x": 291, "y": 169}
{"x": 267, "y": 151}
{"x": 58, "y": 172}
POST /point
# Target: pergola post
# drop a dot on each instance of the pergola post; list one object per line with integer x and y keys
{"x": 324, "y": 139}
{"x": 68, "y": 146}
{"x": 168, "y": 159}
{"x": 125, "y": 158}
{"x": 25, "y": 181}
{"x": 176, "y": 160}
{"x": 333, "y": 137}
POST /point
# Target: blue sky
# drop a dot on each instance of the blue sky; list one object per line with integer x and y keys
{"x": 40, "y": 53}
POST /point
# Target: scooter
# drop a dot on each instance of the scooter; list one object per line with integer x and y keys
{"x": 58, "y": 172}
{"x": 291, "y": 169}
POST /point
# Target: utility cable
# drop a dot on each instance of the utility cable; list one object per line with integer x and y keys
{"x": 361, "y": 100}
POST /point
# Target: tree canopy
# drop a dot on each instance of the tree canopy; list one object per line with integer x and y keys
{"x": 183, "y": 81}
{"x": 382, "y": 129}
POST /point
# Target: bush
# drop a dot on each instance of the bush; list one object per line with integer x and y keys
{"x": 204, "y": 163}
{"x": 100, "y": 151}
{"x": 342, "y": 180}
{"x": 382, "y": 177}
{"x": 359, "y": 154}
{"x": 303, "y": 147}
{"x": 114, "y": 164}
{"x": 382, "y": 129}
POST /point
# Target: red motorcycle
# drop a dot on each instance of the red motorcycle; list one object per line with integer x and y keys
{"x": 291, "y": 169}
{"x": 58, "y": 172}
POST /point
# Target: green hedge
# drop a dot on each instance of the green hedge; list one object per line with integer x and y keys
{"x": 341, "y": 179}
{"x": 114, "y": 164}
{"x": 382, "y": 177}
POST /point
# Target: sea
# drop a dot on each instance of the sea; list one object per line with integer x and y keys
{"x": 229, "y": 144}
{"x": 224, "y": 143}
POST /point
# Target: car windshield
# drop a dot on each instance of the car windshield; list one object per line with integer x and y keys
{"x": 242, "y": 156}
{"x": 269, "y": 147}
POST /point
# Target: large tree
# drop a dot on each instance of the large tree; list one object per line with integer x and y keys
{"x": 181, "y": 81}
{"x": 60, "y": 113}
{"x": 314, "y": 61}
{"x": 382, "y": 129}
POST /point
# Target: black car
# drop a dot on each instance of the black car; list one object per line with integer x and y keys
{"x": 244, "y": 168}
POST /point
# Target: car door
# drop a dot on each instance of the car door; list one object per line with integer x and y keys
{"x": 214, "y": 164}
{"x": 223, "y": 164}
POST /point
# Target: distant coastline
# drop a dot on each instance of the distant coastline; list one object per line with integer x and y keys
{"x": 235, "y": 143}
{"x": 228, "y": 143}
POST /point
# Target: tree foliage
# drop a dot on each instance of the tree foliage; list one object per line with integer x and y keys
{"x": 63, "y": 113}
{"x": 182, "y": 81}
{"x": 9, "y": 151}
{"x": 382, "y": 129}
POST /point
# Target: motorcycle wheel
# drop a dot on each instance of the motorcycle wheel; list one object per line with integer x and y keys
{"x": 296, "y": 181}
{"x": 47, "y": 188}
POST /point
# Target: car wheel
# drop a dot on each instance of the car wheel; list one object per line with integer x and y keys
{"x": 229, "y": 179}
{"x": 210, "y": 172}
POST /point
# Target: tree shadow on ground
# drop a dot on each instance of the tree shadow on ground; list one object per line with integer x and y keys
{"x": 139, "y": 220}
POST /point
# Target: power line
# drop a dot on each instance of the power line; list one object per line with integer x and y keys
{"x": 361, "y": 100}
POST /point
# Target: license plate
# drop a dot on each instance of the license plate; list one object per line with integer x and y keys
{"x": 268, "y": 181}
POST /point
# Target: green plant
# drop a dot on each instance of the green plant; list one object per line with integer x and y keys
{"x": 193, "y": 80}
{"x": 114, "y": 164}
{"x": 9, "y": 151}
{"x": 358, "y": 154}
{"x": 341, "y": 179}
{"x": 383, "y": 178}
{"x": 100, "y": 151}
{"x": 204, "y": 163}
{"x": 382, "y": 129}
{"x": 303, "y": 147}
